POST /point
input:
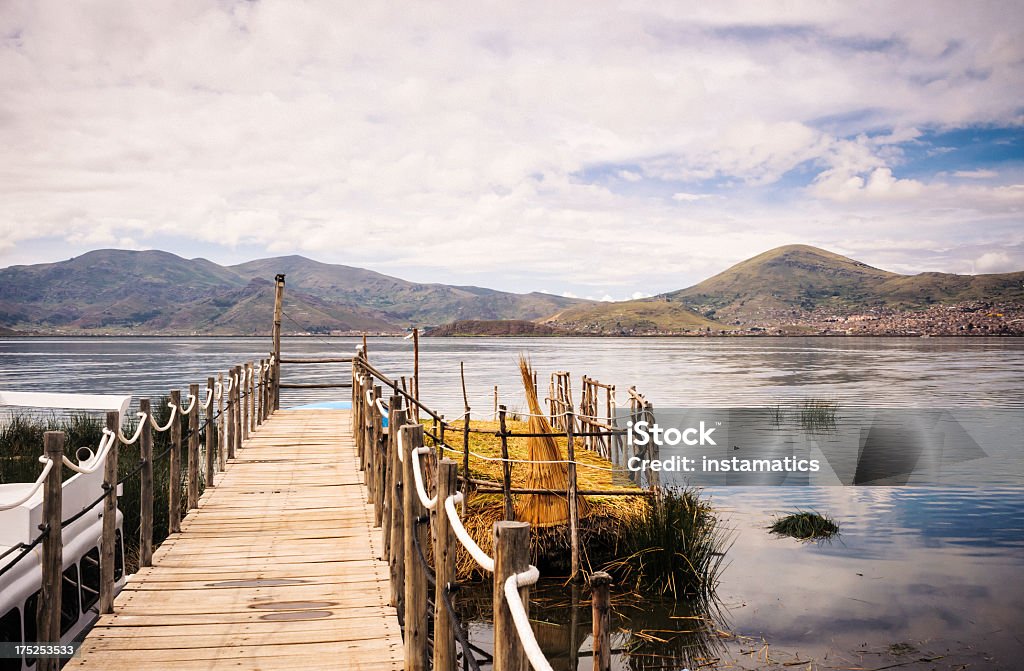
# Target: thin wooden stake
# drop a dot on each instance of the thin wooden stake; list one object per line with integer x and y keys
{"x": 146, "y": 488}
{"x": 573, "y": 493}
{"x": 600, "y": 599}
{"x": 211, "y": 429}
{"x": 174, "y": 470}
{"x": 506, "y": 467}
{"x": 193, "y": 449}
{"x": 278, "y": 306}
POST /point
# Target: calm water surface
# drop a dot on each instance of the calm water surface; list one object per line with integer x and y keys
{"x": 939, "y": 568}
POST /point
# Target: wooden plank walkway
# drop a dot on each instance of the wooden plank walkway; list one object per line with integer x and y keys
{"x": 277, "y": 569}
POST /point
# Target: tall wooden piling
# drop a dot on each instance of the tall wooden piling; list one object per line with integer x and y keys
{"x": 174, "y": 469}
{"x": 229, "y": 415}
{"x": 511, "y": 556}
{"x": 444, "y": 566}
{"x": 416, "y": 633}
{"x": 236, "y": 416}
{"x": 278, "y": 305}
{"x": 573, "y": 493}
{"x": 222, "y": 454}
{"x": 108, "y": 536}
{"x": 48, "y": 615}
{"x": 146, "y": 487}
{"x": 193, "y": 449}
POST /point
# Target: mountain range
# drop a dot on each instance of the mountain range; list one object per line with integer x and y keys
{"x": 154, "y": 292}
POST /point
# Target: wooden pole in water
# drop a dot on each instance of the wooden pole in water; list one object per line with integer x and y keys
{"x": 444, "y": 567}
{"x": 174, "y": 469}
{"x": 506, "y": 467}
{"x": 48, "y": 615}
{"x": 574, "y": 514}
{"x": 108, "y": 538}
{"x": 211, "y": 429}
{"x": 416, "y": 633}
{"x": 600, "y": 599}
{"x": 511, "y": 556}
{"x": 193, "y": 449}
{"x": 278, "y": 306}
{"x": 146, "y": 488}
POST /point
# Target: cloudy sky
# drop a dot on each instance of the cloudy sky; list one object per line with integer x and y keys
{"x": 596, "y": 149}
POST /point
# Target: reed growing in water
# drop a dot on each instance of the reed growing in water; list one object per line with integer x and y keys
{"x": 805, "y": 526}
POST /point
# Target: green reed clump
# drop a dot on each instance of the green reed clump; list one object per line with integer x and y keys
{"x": 818, "y": 415}
{"x": 805, "y": 526}
{"x": 677, "y": 547}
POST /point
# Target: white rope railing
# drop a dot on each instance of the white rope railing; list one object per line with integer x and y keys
{"x": 191, "y": 405}
{"x": 522, "y": 621}
{"x": 417, "y": 472}
{"x": 380, "y": 406}
{"x": 170, "y": 420}
{"x": 229, "y": 384}
{"x": 218, "y": 390}
{"x": 48, "y": 464}
{"x": 143, "y": 418}
{"x": 475, "y": 551}
{"x": 209, "y": 399}
{"x": 95, "y": 460}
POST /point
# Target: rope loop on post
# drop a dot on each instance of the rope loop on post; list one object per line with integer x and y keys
{"x": 428, "y": 502}
{"x": 475, "y": 551}
{"x": 161, "y": 429}
{"x": 191, "y": 405}
{"x": 96, "y": 460}
{"x": 143, "y": 417}
{"x": 522, "y": 621}
{"x": 47, "y": 465}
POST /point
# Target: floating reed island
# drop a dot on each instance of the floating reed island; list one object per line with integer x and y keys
{"x": 570, "y": 484}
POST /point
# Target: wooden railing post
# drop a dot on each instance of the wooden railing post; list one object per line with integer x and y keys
{"x": 211, "y": 429}
{"x": 236, "y": 416}
{"x": 193, "y": 449}
{"x": 174, "y": 469}
{"x": 262, "y": 385}
{"x": 246, "y": 397}
{"x": 574, "y": 515}
{"x": 372, "y": 417}
{"x": 416, "y": 633}
{"x": 511, "y": 556}
{"x": 222, "y": 424}
{"x": 229, "y": 417}
{"x": 600, "y": 599}
{"x": 146, "y": 488}
{"x": 444, "y": 566}
{"x": 251, "y": 423}
{"x": 506, "y": 467}
{"x": 48, "y": 615}
{"x": 377, "y": 460}
{"x": 396, "y": 527}
{"x": 108, "y": 540}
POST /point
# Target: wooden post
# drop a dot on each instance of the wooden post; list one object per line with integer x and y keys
{"x": 378, "y": 460}
{"x": 416, "y": 633}
{"x": 146, "y": 488}
{"x": 416, "y": 372}
{"x": 252, "y": 396}
{"x": 108, "y": 540}
{"x": 246, "y": 398}
{"x": 222, "y": 455}
{"x": 211, "y": 428}
{"x": 387, "y": 478}
{"x": 600, "y": 600}
{"x": 506, "y": 467}
{"x": 174, "y": 469}
{"x": 236, "y": 416}
{"x": 511, "y": 556}
{"x": 444, "y": 566}
{"x": 655, "y": 451}
{"x": 48, "y": 615}
{"x": 229, "y": 417}
{"x": 193, "y": 449}
{"x": 262, "y": 385}
{"x": 495, "y": 401}
{"x": 278, "y": 303}
{"x": 574, "y": 515}
{"x": 397, "y": 547}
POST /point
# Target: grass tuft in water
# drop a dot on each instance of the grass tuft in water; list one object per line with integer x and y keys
{"x": 818, "y": 415}
{"x": 805, "y": 526}
{"x": 675, "y": 548}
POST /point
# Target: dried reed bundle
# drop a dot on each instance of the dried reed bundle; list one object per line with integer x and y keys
{"x": 544, "y": 510}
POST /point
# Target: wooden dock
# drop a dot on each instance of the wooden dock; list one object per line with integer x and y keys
{"x": 278, "y": 568}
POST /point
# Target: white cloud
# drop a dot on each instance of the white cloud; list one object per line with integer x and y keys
{"x": 636, "y": 295}
{"x": 994, "y": 262}
{"x": 437, "y": 139}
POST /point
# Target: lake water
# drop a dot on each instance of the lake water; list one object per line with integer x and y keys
{"x": 934, "y": 570}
